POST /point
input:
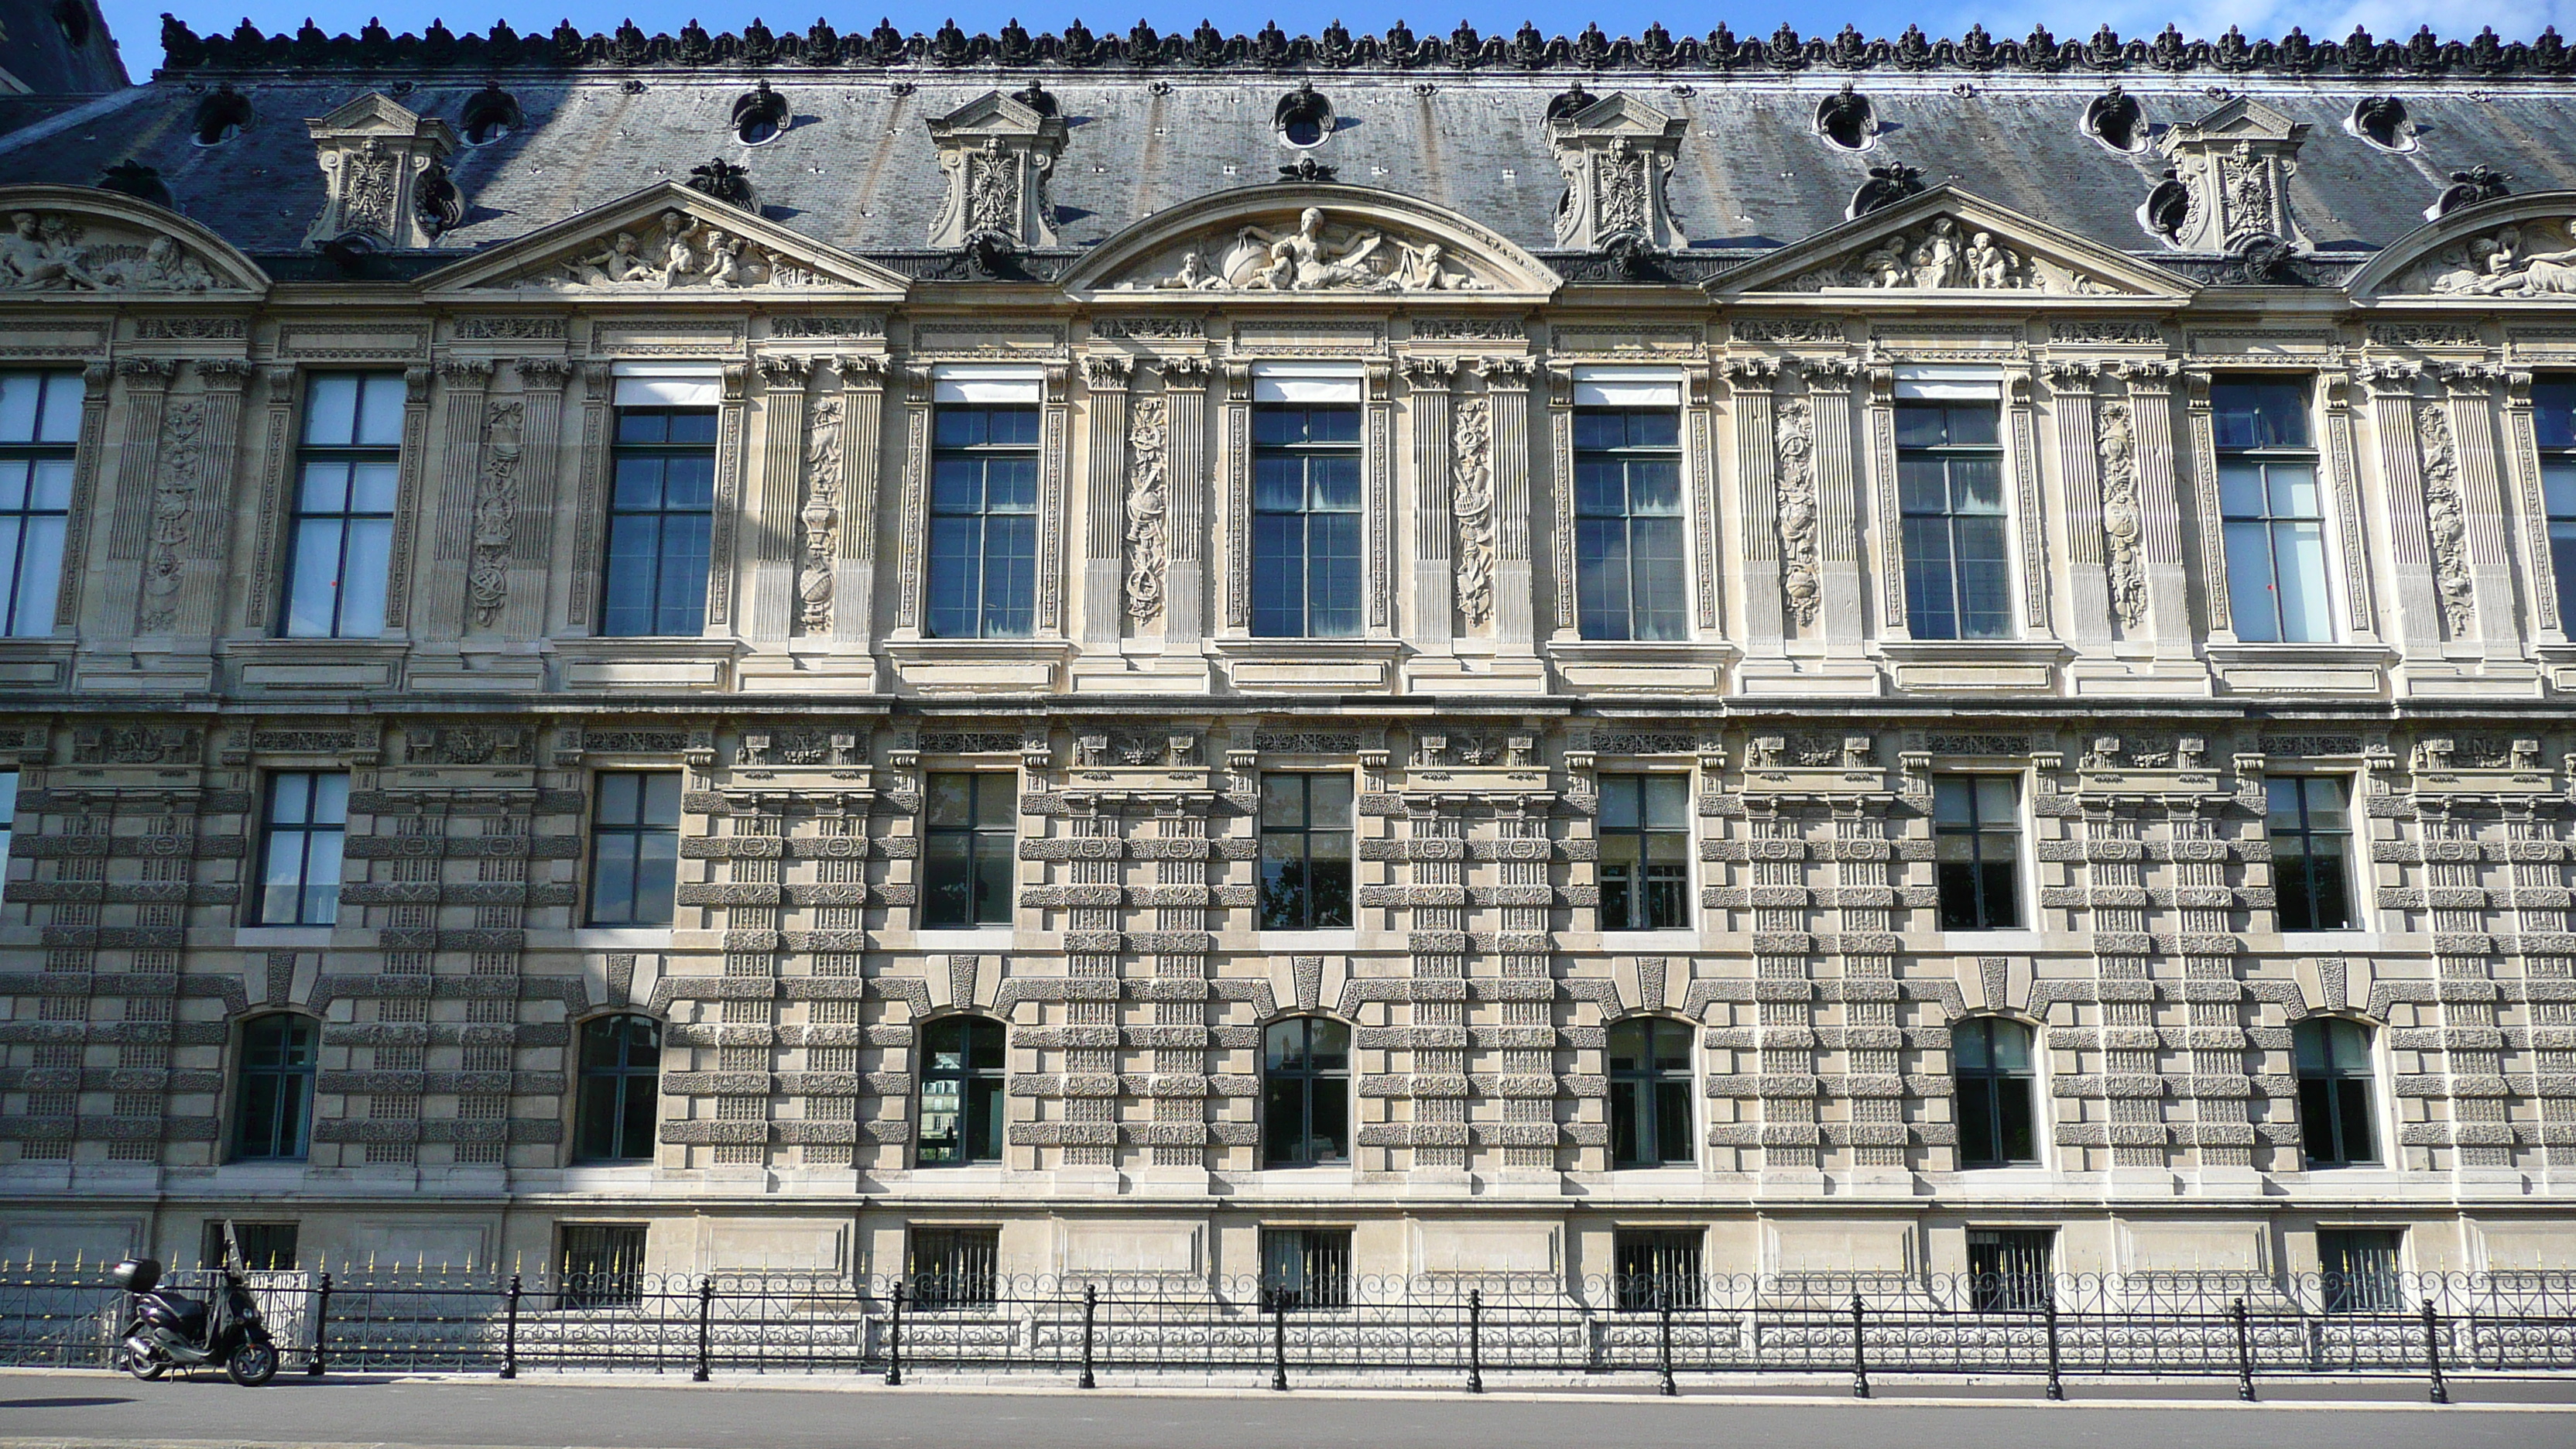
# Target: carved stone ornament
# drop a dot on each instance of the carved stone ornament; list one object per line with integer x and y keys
{"x": 1945, "y": 255}
{"x": 677, "y": 251}
{"x": 2446, "y": 517}
{"x": 996, "y": 152}
{"x": 381, "y": 165}
{"x": 496, "y": 509}
{"x": 1148, "y": 504}
{"x": 2122, "y": 524}
{"x": 2534, "y": 258}
{"x": 1316, "y": 254}
{"x": 176, "y": 487}
{"x": 1801, "y": 578}
{"x": 1471, "y": 502}
{"x": 821, "y": 516}
{"x": 52, "y": 251}
{"x": 2236, "y": 162}
{"x": 666, "y": 238}
{"x": 1616, "y": 153}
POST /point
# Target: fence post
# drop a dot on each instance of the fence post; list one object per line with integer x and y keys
{"x": 1475, "y": 1340}
{"x": 2056, "y": 1389}
{"x": 706, "y": 1315}
{"x": 321, "y": 1319}
{"x": 1278, "y": 1339}
{"x": 2244, "y": 1353}
{"x": 1860, "y": 1360}
{"x": 1664, "y": 1340}
{"x": 510, "y": 1331}
{"x": 894, "y": 1340}
{"x": 2433, "y": 1353}
{"x": 1090, "y": 1308}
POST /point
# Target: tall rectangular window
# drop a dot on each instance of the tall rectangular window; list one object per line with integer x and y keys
{"x": 2274, "y": 513}
{"x": 1306, "y": 520}
{"x": 971, "y": 833}
{"x": 1628, "y": 549}
{"x": 983, "y": 580}
{"x": 1305, "y": 852}
{"x": 634, "y": 848}
{"x": 1645, "y": 852}
{"x": 39, "y": 429}
{"x": 2553, "y": 414}
{"x": 1976, "y": 851}
{"x": 341, "y": 544}
{"x": 1950, "y": 490}
{"x": 661, "y": 515}
{"x": 2311, "y": 831}
{"x": 299, "y": 849}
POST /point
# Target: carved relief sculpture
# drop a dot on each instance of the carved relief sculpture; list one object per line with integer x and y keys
{"x": 2535, "y": 258}
{"x": 50, "y": 252}
{"x": 2116, "y": 440}
{"x": 1147, "y": 505}
{"x": 496, "y": 507}
{"x": 2446, "y": 514}
{"x": 1320, "y": 257}
{"x": 677, "y": 251}
{"x": 2236, "y": 163}
{"x": 1943, "y": 255}
{"x": 1617, "y": 154}
{"x": 1471, "y": 502}
{"x": 174, "y": 512}
{"x": 381, "y": 164}
{"x": 1801, "y": 579}
{"x": 821, "y": 516}
{"x": 996, "y": 153}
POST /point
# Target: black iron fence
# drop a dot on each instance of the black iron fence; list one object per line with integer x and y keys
{"x": 2434, "y": 1327}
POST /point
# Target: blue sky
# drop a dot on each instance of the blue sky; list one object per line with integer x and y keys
{"x": 137, "y": 23}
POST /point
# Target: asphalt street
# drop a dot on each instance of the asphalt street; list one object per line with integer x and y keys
{"x": 42, "y": 1410}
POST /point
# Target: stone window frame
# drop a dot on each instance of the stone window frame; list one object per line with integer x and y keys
{"x": 921, "y": 384}
{"x": 1377, "y": 491}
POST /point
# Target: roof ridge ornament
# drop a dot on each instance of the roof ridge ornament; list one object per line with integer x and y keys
{"x": 997, "y": 152}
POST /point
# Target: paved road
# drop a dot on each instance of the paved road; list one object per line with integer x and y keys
{"x": 97, "y": 1409}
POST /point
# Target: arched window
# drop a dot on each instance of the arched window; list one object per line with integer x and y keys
{"x": 2333, "y": 1058}
{"x": 273, "y": 1101}
{"x": 962, "y": 1065}
{"x": 1305, "y": 1092}
{"x": 1650, "y": 1093}
{"x": 1997, "y": 1100}
{"x": 621, "y": 1088}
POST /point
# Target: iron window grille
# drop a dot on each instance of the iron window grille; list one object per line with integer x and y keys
{"x": 2332, "y": 1057}
{"x": 1629, "y": 554}
{"x": 1306, "y": 1092}
{"x": 635, "y": 848}
{"x": 661, "y": 518}
{"x": 1997, "y": 1092}
{"x": 1650, "y": 1092}
{"x": 621, "y": 1089}
{"x": 39, "y": 437}
{"x": 273, "y": 1089}
{"x": 2360, "y": 1270}
{"x": 1304, "y": 1269}
{"x": 2553, "y": 410}
{"x": 1976, "y": 839}
{"x": 1645, "y": 838}
{"x": 299, "y": 852}
{"x": 254, "y": 1247}
{"x": 2311, "y": 828}
{"x": 1950, "y": 491}
{"x": 971, "y": 832}
{"x": 955, "y": 1268}
{"x": 1306, "y": 852}
{"x": 964, "y": 1064}
{"x": 983, "y": 522}
{"x": 1658, "y": 1268}
{"x": 340, "y": 542}
{"x": 2273, "y": 513}
{"x": 1305, "y": 521}
{"x": 600, "y": 1265}
{"x": 2009, "y": 1269}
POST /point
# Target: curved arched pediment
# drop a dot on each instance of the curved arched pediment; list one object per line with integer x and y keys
{"x": 80, "y": 241}
{"x": 664, "y": 243}
{"x": 2512, "y": 247}
{"x": 1324, "y": 240}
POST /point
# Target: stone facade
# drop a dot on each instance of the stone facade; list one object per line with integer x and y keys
{"x": 1139, "y": 713}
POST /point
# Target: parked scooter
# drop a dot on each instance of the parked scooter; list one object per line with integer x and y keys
{"x": 168, "y": 1331}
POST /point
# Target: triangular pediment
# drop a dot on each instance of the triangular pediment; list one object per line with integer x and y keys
{"x": 667, "y": 243}
{"x": 83, "y": 242}
{"x": 1620, "y": 114}
{"x": 993, "y": 114}
{"x": 1310, "y": 241}
{"x": 1946, "y": 242}
{"x": 2515, "y": 248}
{"x": 373, "y": 115}
{"x": 2241, "y": 119}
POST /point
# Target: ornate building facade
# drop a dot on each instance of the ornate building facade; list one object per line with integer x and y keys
{"x": 1191, "y": 655}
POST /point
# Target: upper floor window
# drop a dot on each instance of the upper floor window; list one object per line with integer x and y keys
{"x": 341, "y": 545}
{"x": 1650, "y": 1092}
{"x": 621, "y": 1089}
{"x": 1997, "y": 1092}
{"x": 39, "y": 431}
{"x": 661, "y": 511}
{"x": 1305, "y": 852}
{"x": 2332, "y": 1057}
{"x": 983, "y": 579}
{"x": 1976, "y": 847}
{"x": 1645, "y": 852}
{"x": 635, "y": 848}
{"x": 966, "y": 870}
{"x": 1306, "y": 512}
{"x": 299, "y": 849}
{"x": 2274, "y": 512}
{"x": 2311, "y": 830}
{"x": 1950, "y": 489}
{"x": 273, "y": 1088}
{"x": 2553, "y": 415}
{"x": 962, "y": 1068}
{"x": 1305, "y": 1092}
{"x": 1628, "y": 544}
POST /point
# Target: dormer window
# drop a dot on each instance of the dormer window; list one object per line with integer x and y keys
{"x": 2167, "y": 209}
{"x": 220, "y": 117}
{"x": 490, "y": 115}
{"x": 1846, "y": 119}
{"x": 2382, "y": 121}
{"x": 759, "y": 114}
{"x": 2117, "y": 121}
{"x": 1304, "y": 117}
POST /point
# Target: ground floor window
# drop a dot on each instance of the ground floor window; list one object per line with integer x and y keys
{"x": 258, "y": 1247}
{"x": 2009, "y": 1269}
{"x": 1305, "y": 1268}
{"x": 600, "y": 1265}
{"x": 2359, "y": 1268}
{"x": 1659, "y": 1267}
{"x": 956, "y": 1267}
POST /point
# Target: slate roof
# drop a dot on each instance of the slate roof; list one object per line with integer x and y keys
{"x": 856, "y": 167}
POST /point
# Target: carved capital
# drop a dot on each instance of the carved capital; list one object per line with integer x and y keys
{"x": 861, "y": 370}
{"x": 1503, "y": 374}
{"x": 1181, "y": 374}
{"x": 2067, "y": 376}
{"x": 2389, "y": 377}
{"x": 596, "y": 378}
{"x": 148, "y": 371}
{"x": 1752, "y": 374}
{"x": 543, "y": 373}
{"x": 227, "y": 374}
{"x": 785, "y": 372}
{"x": 1107, "y": 372}
{"x": 473, "y": 372}
{"x": 1427, "y": 374}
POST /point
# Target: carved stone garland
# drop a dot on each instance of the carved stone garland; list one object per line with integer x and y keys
{"x": 1801, "y": 578}
{"x": 2446, "y": 514}
{"x": 821, "y": 516}
{"x": 496, "y": 508}
{"x": 1148, "y": 505}
{"x": 2122, "y": 524}
{"x": 1471, "y": 502}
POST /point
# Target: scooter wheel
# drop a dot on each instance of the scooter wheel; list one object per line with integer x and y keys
{"x": 252, "y": 1364}
{"x": 147, "y": 1367}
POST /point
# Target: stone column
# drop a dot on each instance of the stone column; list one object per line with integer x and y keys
{"x": 1699, "y": 420}
{"x": 1838, "y": 543}
{"x": 465, "y": 386}
{"x": 147, "y": 405}
{"x": 854, "y": 573}
{"x": 730, "y": 418}
{"x": 581, "y": 567}
{"x": 95, "y": 379}
{"x": 1377, "y": 480}
{"x": 2410, "y": 543}
{"x": 2524, "y": 452}
{"x": 1560, "y": 436}
{"x": 1885, "y": 545}
{"x": 774, "y": 526}
{"x": 2163, "y": 501}
{"x": 2104, "y": 577}
{"x": 199, "y": 602}
{"x": 2471, "y": 405}
{"x": 1507, "y": 391}
{"x": 1054, "y": 429}
{"x": 2022, "y": 430}
{"x": 1235, "y": 486}
{"x": 1185, "y": 380}
{"x": 911, "y": 540}
{"x": 532, "y": 529}
{"x": 1427, "y": 382}
{"x": 1104, "y": 484}
{"x": 274, "y": 506}
{"x": 1749, "y": 381}
{"x": 2361, "y": 612}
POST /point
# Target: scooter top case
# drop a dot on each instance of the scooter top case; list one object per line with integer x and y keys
{"x": 135, "y": 1275}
